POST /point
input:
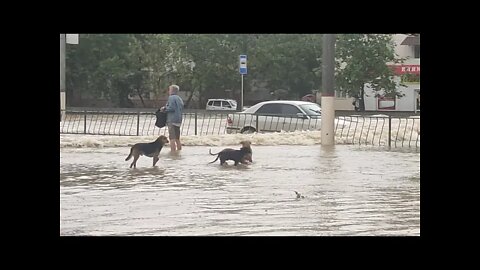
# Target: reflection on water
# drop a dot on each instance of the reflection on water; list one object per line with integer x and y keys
{"x": 347, "y": 190}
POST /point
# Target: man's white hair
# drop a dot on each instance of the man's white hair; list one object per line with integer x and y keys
{"x": 175, "y": 87}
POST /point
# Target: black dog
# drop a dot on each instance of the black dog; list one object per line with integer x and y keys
{"x": 229, "y": 154}
{"x": 238, "y": 156}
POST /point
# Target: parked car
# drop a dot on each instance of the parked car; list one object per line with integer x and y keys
{"x": 277, "y": 115}
{"x": 221, "y": 105}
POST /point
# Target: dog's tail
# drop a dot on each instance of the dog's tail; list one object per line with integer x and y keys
{"x": 214, "y": 160}
{"x": 210, "y": 151}
{"x": 130, "y": 155}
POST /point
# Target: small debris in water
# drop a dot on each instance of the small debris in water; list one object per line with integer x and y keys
{"x": 299, "y": 195}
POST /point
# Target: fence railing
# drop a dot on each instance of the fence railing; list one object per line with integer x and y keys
{"x": 364, "y": 130}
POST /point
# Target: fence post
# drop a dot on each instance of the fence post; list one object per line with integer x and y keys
{"x": 85, "y": 122}
{"x": 389, "y": 131}
{"x": 138, "y": 123}
{"x": 195, "y": 123}
{"x": 256, "y": 123}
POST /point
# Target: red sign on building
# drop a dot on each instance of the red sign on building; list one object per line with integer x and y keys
{"x": 405, "y": 69}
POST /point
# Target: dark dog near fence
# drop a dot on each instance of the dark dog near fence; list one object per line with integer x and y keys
{"x": 238, "y": 156}
{"x": 148, "y": 149}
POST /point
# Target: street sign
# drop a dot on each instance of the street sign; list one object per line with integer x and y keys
{"x": 72, "y": 38}
{"x": 243, "y": 64}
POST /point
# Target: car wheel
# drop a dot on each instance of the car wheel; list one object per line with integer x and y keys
{"x": 247, "y": 130}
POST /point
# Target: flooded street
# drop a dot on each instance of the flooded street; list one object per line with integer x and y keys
{"x": 346, "y": 189}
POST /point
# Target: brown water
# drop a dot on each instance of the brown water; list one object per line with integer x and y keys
{"x": 348, "y": 190}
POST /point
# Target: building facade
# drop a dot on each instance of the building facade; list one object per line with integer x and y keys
{"x": 406, "y": 46}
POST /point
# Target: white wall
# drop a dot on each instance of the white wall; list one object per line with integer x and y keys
{"x": 402, "y": 50}
{"x": 405, "y": 103}
{"x": 405, "y": 51}
{"x": 344, "y": 104}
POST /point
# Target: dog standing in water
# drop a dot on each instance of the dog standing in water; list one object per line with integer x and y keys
{"x": 148, "y": 149}
{"x": 238, "y": 156}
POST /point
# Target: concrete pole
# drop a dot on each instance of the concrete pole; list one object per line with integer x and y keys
{"x": 62, "y": 76}
{"x": 328, "y": 92}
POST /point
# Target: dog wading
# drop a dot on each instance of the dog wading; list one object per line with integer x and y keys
{"x": 238, "y": 156}
{"x": 148, "y": 149}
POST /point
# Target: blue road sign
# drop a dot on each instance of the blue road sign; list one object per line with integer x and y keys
{"x": 243, "y": 64}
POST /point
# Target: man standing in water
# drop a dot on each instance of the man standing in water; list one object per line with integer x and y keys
{"x": 174, "y": 110}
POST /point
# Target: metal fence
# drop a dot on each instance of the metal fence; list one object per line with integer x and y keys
{"x": 365, "y": 130}
{"x": 380, "y": 130}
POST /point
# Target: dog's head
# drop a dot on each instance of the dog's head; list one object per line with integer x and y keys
{"x": 245, "y": 143}
{"x": 162, "y": 139}
{"x": 248, "y": 157}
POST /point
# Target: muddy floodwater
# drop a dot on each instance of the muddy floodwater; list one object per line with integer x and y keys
{"x": 343, "y": 190}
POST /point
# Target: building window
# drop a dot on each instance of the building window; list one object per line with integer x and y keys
{"x": 416, "y": 51}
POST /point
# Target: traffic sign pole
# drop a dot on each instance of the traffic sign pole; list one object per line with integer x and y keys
{"x": 241, "y": 96}
{"x": 243, "y": 71}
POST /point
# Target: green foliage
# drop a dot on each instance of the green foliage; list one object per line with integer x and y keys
{"x": 101, "y": 65}
{"x": 289, "y": 61}
{"x": 410, "y": 78}
{"x": 116, "y": 65}
{"x": 207, "y": 64}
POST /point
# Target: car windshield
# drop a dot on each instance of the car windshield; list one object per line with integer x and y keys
{"x": 312, "y": 109}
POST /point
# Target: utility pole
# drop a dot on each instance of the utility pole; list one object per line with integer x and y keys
{"x": 62, "y": 75}
{"x": 328, "y": 92}
{"x": 64, "y": 39}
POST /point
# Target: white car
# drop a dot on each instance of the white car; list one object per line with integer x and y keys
{"x": 221, "y": 105}
{"x": 277, "y": 115}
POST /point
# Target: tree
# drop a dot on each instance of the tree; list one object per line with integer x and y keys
{"x": 289, "y": 61}
{"x": 101, "y": 65}
{"x": 205, "y": 65}
{"x": 363, "y": 59}
{"x": 154, "y": 53}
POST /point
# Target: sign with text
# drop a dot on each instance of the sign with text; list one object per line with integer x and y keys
{"x": 243, "y": 64}
{"x": 405, "y": 69}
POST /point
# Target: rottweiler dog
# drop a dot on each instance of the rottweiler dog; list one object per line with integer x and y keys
{"x": 148, "y": 149}
{"x": 238, "y": 156}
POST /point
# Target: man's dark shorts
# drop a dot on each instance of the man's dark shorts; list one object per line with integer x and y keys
{"x": 173, "y": 131}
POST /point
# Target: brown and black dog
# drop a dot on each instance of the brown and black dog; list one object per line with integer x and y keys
{"x": 148, "y": 149}
{"x": 239, "y": 156}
